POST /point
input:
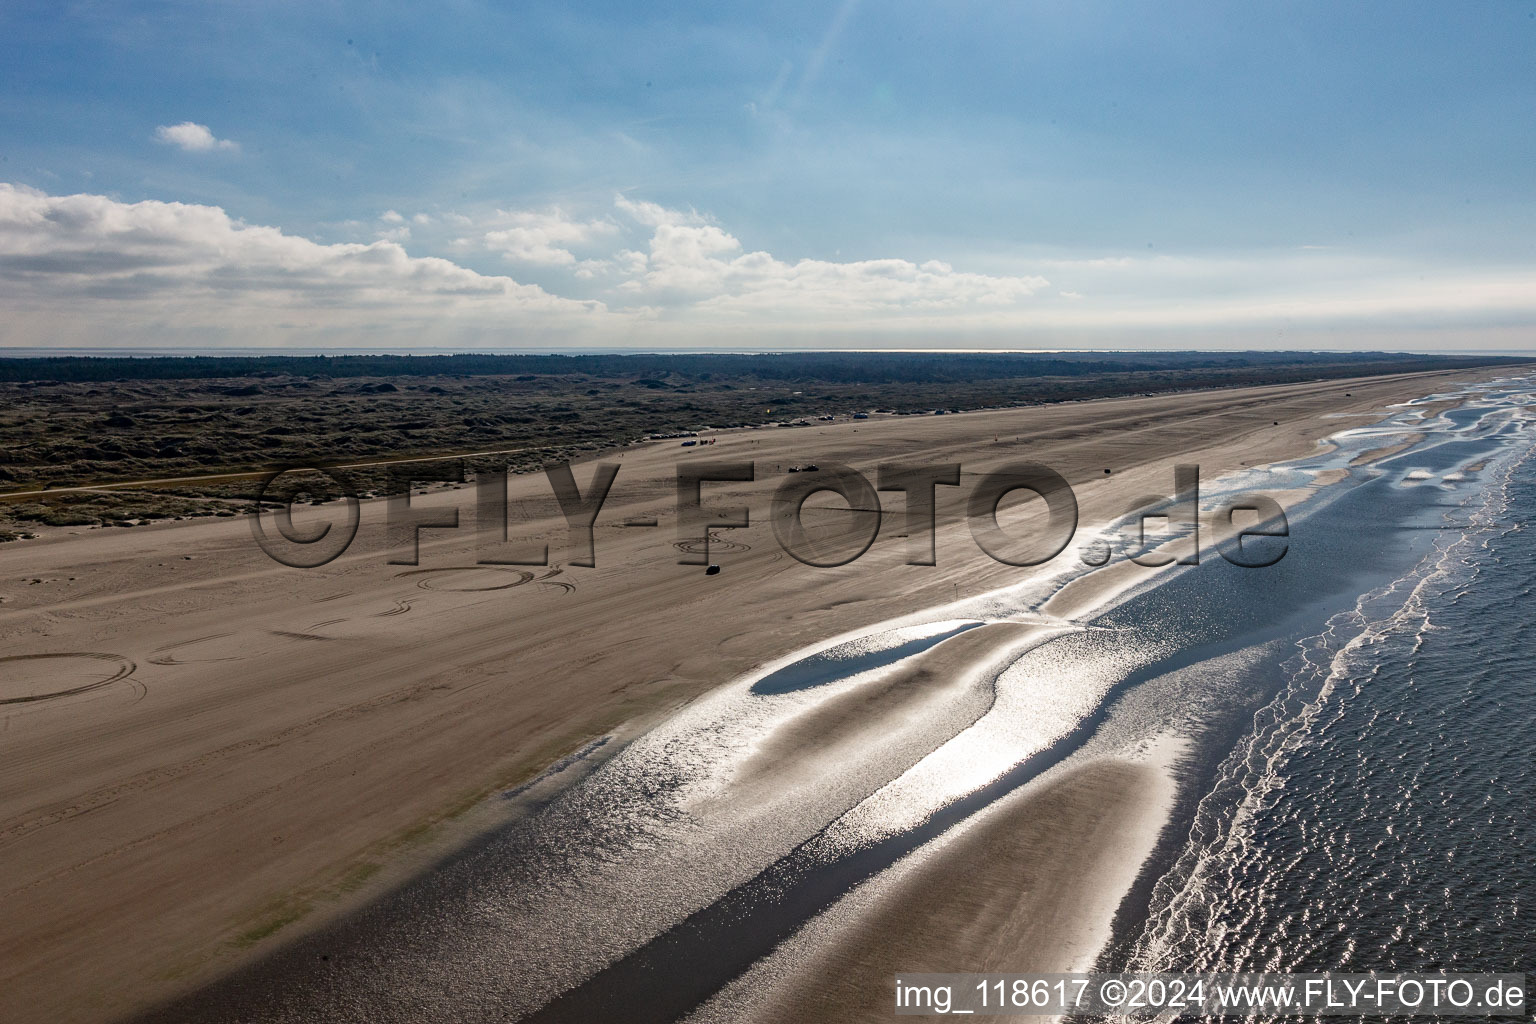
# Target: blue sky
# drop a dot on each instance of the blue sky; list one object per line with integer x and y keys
{"x": 971, "y": 174}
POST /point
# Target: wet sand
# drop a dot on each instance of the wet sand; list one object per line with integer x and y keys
{"x": 285, "y": 743}
{"x": 1030, "y": 886}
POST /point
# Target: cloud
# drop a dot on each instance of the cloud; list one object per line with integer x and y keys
{"x": 94, "y": 271}
{"x": 654, "y": 214}
{"x": 78, "y": 264}
{"x": 1283, "y": 287}
{"x": 700, "y": 264}
{"x": 192, "y": 137}
{"x": 630, "y": 262}
{"x": 544, "y": 237}
{"x": 695, "y": 273}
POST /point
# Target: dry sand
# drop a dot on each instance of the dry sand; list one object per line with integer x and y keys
{"x": 271, "y": 745}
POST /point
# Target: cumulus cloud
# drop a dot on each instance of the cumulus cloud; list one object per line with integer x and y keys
{"x": 692, "y": 260}
{"x": 192, "y": 138}
{"x": 544, "y": 237}
{"x": 654, "y": 214}
{"x": 79, "y": 262}
{"x": 697, "y": 271}
{"x": 631, "y": 262}
{"x": 90, "y": 270}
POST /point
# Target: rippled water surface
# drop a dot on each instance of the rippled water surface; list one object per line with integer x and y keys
{"x": 1379, "y": 815}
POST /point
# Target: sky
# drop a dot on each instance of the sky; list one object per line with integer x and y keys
{"x": 508, "y": 176}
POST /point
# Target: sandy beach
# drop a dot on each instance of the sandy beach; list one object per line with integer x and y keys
{"x": 240, "y": 751}
{"x": 1029, "y": 887}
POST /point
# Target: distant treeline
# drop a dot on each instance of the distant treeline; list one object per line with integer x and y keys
{"x": 845, "y": 367}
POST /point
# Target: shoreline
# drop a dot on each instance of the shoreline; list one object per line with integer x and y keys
{"x": 689, "y": 677}
{"x": 1091, "y": 923}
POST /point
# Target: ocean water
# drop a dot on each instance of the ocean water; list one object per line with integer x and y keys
{"x": 1354, "y": 793}
{"x": 1377, "y": 815}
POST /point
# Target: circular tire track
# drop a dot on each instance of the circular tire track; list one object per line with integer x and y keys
{"x": 431, "y": 582}
{"x": 548, "y": 580}
{"x": 125, "y": 668}
{"x": 697, "y": 547}
{"x": 164, "y": 657}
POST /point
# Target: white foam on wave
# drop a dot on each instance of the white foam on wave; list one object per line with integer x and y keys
{"x": 1199, "y": 914}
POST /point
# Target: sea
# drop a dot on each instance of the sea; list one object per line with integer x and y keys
{"x": 1377, "y": 813}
